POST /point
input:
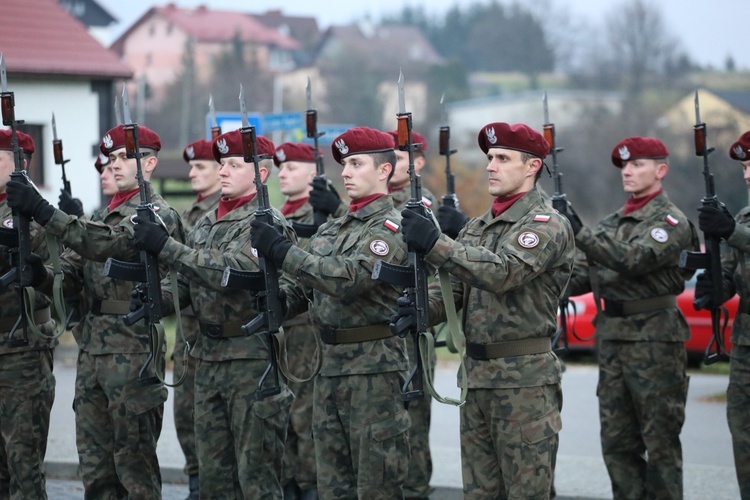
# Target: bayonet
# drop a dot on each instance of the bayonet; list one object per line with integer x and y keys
{"x": 243, "y": 108}
{"x": 125, "y": 106}
{"x": 3, "y": 74}
{"x": 57, "y": 151}
{"x": 215, "y": 129}
{"x": 401, "y": 99}
{"x": 118, "y": 111}
{"x": 449, "y": 199}
{"x": 697, "y": 109}
{"x": 54, "y": 127}
{"x": 308, "y": 94}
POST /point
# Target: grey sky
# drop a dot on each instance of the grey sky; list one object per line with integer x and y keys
{"x": 708, "y": 30}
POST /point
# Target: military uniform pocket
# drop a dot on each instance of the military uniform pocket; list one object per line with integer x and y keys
{"x": 384, "y": 452}
{"x": 539, "y": 429}
{"x": 135, "y": 422}
{"x": 270, "y": 419}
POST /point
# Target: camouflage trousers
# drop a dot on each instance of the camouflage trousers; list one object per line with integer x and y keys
{"x": 299, "y": 449}
{"x": 240, "y": 439}
{"x": 738, "y": 409}
{"x": 184, "y": 396}
{"x": 118, "y": 423}
{"x": 509, "y": 441}
{"x": 360, "y": 429}
{"x": 642, "y": 392}
{"x": 417, "y": 483}
{"x": 27, "y": 390}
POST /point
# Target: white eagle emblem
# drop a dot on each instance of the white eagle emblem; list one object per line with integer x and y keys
{"x": 108, "y": 142}
{"x": 221, "y": 145}
{"x": 281, "y": 155}
{"x": 343, "y": 148}
{"x": 624, "y": 153}
{"x": 490, "y": 133}
{"x": 739, "y": 152}
{"x": 190, "y": 152}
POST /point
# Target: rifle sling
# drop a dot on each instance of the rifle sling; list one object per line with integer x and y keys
{"x": 521, "y": 347}
{"x": 58, "y": 300}
{"x": 333, "y": 336}
{"x": 282, "y": 358}
{"x": 40, "y": 316}
{"x": 615, "y": 309}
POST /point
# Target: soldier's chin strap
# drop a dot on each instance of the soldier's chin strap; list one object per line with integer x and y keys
{"x": 58, "y": 301}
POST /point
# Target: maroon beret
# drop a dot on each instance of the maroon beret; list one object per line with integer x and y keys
{"x": 198, "y": 150}
{"x": 295, "y": 151}
{"x": 360, "y": 140}
{"x": 230, "y": 144}
{"x": 518, "y": 136}
{"x": 416, "y": 138}
{"x": 24, "y": 141}
{"x": 101, "y": 162}
{"x": 634, "y": 148}
{"x": 740, "y": 150}
{"x": 115, "y": 139}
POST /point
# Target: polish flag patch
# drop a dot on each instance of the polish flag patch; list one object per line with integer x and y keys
{"x": 541, "y": 218}
{"x": 391, "y": 225}
{"x": 426, "y": 201}
{"x": 672, "y": 221}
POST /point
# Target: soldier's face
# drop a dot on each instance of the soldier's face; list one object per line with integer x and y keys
{"x": 107, "y": 177}
{"x": 204, "y": 176}
{"x": 6, "y": 168}
{"x": 238, "y": 177}
{"x": 508, "y": 173}
{"x": 746, "y": 172}
{"x": 400, "y": 176}
{"x": 362, "y": 177}
{"x": 642, "y": 176}
{"x": 295, "y": 178}
{"x": 124, "y": 170}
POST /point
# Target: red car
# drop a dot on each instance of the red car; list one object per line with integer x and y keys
{"x": 582, "y": 309}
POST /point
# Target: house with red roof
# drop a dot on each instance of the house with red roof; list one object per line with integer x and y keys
{"x": 155, "y": 44}
{"x": 55, "y": 66}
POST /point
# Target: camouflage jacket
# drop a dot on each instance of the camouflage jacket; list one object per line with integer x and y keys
{"x": 303, "y": 215}
{"x": 735, "y": 263}
{"x": 192, "y": 215}
{"x": 9, "y": 307}
{"x": 401, "y": 196}
{"x": 89, "y": 243}
{"x": 338, "y": 267}
{"x": 636, "y": 257}
{"x": 213, "y": 246}
{"x": 508, "y": 273}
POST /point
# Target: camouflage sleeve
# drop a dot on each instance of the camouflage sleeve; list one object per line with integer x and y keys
{"x": 436, "y": 306}
{"x": 93, "y": 240}
{"x": 297, "y": 297}
{"x": 658, "y": 245}
{"x": 740, "y": 238}
{"x": 72, "y": 268}
{"x": 580, "y": 281}
{"x": 167, "y": 294}
{"x": 348, "y": 275}
{"x": 527, "y": 252}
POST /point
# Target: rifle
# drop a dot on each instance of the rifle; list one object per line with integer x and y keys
{"x": 414, "y": 276}
{"x": 559, "y": 203}
{"x": 449, "y": 198}
{"x": 710, "y": 260}
{"x": 145, "y": 272}
{"x": 215, "y": 128}
{"x": 265, "y": 283}
{"x": 311, "y": 123}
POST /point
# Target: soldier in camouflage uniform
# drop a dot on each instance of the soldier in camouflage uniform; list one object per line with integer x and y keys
{"x": 239, "y": 437}
{"x": 417, "y": 483}
{"x": 359, "y": 422}
{"x": 508, "y": 269}
{"x": 118, "y": 419}
{"x": 205, "y": 181}
{"x": 736, "y": 274}
{"x": 296, "y": 164}
{"x": 27, "y": 385}
{"x": 631, "y": 262}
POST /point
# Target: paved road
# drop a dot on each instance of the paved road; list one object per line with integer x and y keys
{"x": 709, "y": 466}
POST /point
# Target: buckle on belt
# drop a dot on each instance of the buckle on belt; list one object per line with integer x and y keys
{"x": 613, "y": 309}
{"x": 213, "y": 330}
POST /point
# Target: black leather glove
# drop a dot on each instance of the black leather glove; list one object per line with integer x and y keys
{"x": 322, "y": 198}
{"x": 572, "y": 216}
{"x": 27, "y": 201}
{"x": 419, "y": 233}
{"x": 149, "y": 236}
{"x": 704, "y": 292}
{"x": 716, "y": 222}
{"x": 38, "y": 271}
{"x": 405, "y": 318}
{"x": 70, "y": 205}
{"x": 451, "y": 220}
{"x": 269, "y": 241}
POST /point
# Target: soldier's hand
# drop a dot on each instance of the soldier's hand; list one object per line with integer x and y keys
{"x": 149, "y": 236}
{"x": 715, "y": 221}
{"x": 406, "y": 317}
{"x": 704, "y": 292}
{"x": 69, "y": 205}
{"x": 267, "y": 240}
{"x": 419, "y": 233}
{"x": 38, "y": 270}
{"x": 322, "y": 198}
{"x": 27, "y": 201}
{"x": 451, "y": 220}
{"x": 572, "y": 216}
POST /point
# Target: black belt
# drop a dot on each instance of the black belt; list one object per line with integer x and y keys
{"x": 116, "y": 307}
{"x": 333, "y": 336}
{"x": 520, "y": 347}
{"x": 614, "y": 309}
{"x": 226, "y": 330}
